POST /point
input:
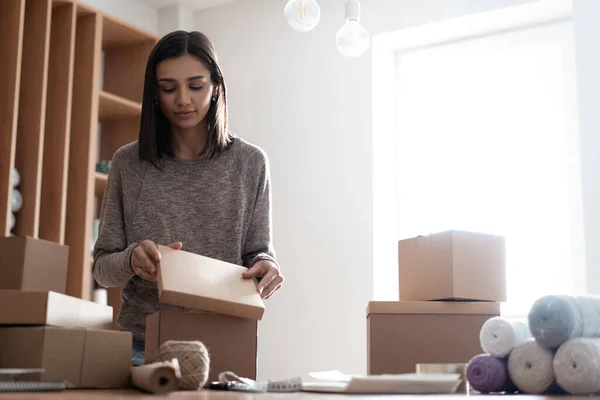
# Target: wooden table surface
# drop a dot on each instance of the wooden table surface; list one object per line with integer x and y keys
{"x": 223, "y": 395}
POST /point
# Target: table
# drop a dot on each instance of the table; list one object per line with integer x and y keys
{"x": 222, "y": 395}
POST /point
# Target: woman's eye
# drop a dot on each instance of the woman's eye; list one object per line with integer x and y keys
{"x": 168, "y": 90}
{"x": 196, "y": 87}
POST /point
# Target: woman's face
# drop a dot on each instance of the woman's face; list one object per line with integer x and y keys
{"x": 185, "y": 90}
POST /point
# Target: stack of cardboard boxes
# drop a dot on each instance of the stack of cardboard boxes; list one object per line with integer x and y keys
{"x": 69, "y": 339}
{"x": 450, "y": 284}
{"x": 224, "y": 311}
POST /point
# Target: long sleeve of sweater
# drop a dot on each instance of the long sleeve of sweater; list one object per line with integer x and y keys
{"x": 112, "y": 254}
{"x": 259, "y": 240}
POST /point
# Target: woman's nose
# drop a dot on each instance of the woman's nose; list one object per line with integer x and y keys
{"x": 183, "y": 97}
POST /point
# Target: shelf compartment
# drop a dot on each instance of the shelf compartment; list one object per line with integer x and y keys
{"x": 32, "y": 113}
{"x": 12, "y": 17}
{"x": 82, "y": 150}
{"x": 58, "y": 123}
{"x": 115, "y": 107}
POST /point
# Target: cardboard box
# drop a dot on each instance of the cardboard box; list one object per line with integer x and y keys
{"x": 232, "y": 342}
{"x": 452, "y": 265}
{"x": 33, "y": 264}
{"x": 84, "y": 358}
{"x": 201, "y": 283}
{"x": 50, "y": 308}
{"x": 401, "y": 335}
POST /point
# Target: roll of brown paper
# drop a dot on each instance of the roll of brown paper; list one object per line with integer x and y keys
{"x": 158, "y": 377}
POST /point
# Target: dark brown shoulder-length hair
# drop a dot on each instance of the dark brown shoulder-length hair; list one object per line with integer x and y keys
{"x": 155, "y": 130}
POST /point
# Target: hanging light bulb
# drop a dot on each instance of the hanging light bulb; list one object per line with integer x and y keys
{"x": 352, "y": 39}
{"x": 302, "y": 15}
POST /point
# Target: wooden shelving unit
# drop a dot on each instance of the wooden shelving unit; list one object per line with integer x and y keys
{"x": 70, "y": 95}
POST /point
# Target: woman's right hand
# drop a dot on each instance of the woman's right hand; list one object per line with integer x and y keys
{"x": 146, "y": 258}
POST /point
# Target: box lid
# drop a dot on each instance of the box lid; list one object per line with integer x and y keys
{"x": 194, "y": 281}
{"x": 433, "y": 307}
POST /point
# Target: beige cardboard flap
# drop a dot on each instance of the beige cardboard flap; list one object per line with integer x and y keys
{"x": 51, "y": 308}
{"x": 433, "y": 307}
{"x": 202, "y": 283}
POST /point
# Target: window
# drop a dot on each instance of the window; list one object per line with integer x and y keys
{"x": 484, "y": 141}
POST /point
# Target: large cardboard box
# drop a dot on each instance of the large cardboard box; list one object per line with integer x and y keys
{"x": 401, "y": 335}
{"x": 83, "y": 358}
{"x": 231, "y": 341}
{"x": 202, "y": 283}
{"x": 452, "y": 265}
{"x": 50, "y": 308}
{"x": 27, "y": 263}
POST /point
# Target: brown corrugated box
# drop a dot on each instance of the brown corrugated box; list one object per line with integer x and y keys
{"x": 202, "y": 283}
{"x": 33, "y": 264}
{"x": 82, "y": 357}
{"x": 50, "y": 308}
{"x": 401, "y": 335}
{"x": 452, "y": 265}
{"x": 231, "y": 341}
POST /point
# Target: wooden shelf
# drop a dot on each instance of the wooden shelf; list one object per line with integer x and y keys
{"x": 118, "y": 33}
{"x": 115, "y": 107}
{"x": 100, "y": 184}
{"x": 12, "y": 16}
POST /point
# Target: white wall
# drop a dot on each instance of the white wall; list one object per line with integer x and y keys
{"x": 587, "y": 32}
{"x": 174, "y": 18}
{"x": 310, "y": 108}
{"x": 131, "y": 11}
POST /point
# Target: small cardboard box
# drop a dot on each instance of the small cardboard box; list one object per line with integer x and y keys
{"x": 401, "y": 335}
{"x": 83, "y": 358}
{"x": 452, "y": 265}
{"x": 232, "y": 342}
{"x": 50, "y": 308}
{"x": 201, "y": 283}
{"x": 33, "y": 264}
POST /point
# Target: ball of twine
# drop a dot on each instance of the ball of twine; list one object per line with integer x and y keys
{"x": 193, "y": 358}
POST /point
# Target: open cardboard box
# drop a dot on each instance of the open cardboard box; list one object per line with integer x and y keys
{"x": 202, "y": 283}
{"x": 232, "y": 342}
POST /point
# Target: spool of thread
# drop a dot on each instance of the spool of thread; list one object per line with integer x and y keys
{"x": 555, "y": 319}
{"x": 158, "y": 377}
{"x": 499, "y": 335}
{"x": 17, "y": 201}
{"x": 530, "y": 367}
{"x": 194, "y": 361}
{"x": 16, "y": 178}
{"x": 577, "y": 366}
{"x": 488, "y": 374}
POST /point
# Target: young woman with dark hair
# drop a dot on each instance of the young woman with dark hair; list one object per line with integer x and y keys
{"x": 187, "y": 182}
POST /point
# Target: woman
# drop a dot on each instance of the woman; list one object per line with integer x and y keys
{"x": 187, "y": 182}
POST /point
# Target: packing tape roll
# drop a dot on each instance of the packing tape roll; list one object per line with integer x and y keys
{"x": 159, "y": 377}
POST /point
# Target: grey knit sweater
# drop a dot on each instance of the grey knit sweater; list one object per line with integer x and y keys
{"x": 219, "y": 208}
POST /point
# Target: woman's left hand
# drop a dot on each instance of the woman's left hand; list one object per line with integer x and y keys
{"x": 271, "y": 277}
